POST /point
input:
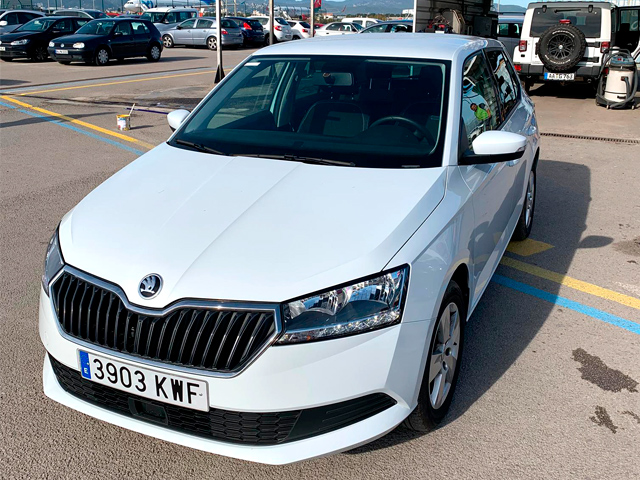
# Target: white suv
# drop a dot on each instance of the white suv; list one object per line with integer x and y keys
{"x": 566, "y": 41}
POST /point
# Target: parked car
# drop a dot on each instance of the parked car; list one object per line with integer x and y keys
{"x": 12, "y": 19}
{"x": 281, "y": 30}
{"x": 31, "y": 39}
{"x": 338, "y": 28}
{"x": 252, "y": 31}
{"x": 101, "y": 40}
{"x": 509, "y": 29}
{"x": 203, "y": 32}
{"x": 300, "y": 29}
{"x": 167, "y": 18}
{"x": 80, "y": 12}
{"x": 364, "y": 22}
{"x": 567, "y": 41}
{"x": 393, "y": 26}
{"x": 291, "y": 273}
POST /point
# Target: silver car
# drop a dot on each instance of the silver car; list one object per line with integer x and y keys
{"x": 202, "y": 31}
{"x": 12, "y": 19}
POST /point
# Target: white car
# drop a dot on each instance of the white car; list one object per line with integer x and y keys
{"x": 300, "y": 29}
{"x": 290, "y": 274}
{"x": 364, "y": 22}
{"x": 281, "y": 30}
{"x": 338, "y": 28}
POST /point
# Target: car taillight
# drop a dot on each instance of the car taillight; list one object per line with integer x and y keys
{"x": 224, "y": 32}
{"x": 565, "y": 22}
{"x": 605, "y": 71}
{"x": 518, "y": 67}
{"x": 278, "y": 27}
{"x": 246, "y": 26}
{"x": 522, "y": 46}
{"x": 304, "y": 30}
{"x": 604, "y": 46}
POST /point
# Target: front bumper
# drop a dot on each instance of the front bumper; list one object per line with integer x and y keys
{"x": 74, "y": 55}
{"x": 283, "y": 378}
{"x": 20, "y": 51}
{"x": 536, "y": 72}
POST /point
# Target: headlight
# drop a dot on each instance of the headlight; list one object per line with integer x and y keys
{"x": 51, "y": 44}
{"x": 20, "y": 42}
{"x": 53, "y": 261}
{"x": 78, "y": 45}
{"x": 360, "y": 307}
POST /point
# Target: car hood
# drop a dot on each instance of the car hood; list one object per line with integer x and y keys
{"x": 71, "y": 39}
{"x": 12, "y": 37}
{"x": 238, "y": 228}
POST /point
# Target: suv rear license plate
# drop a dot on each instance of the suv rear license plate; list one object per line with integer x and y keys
{"x": 173, "y": 389}
{"x": 559, "y": 76}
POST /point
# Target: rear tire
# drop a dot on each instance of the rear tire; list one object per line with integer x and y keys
{"x": 167, "y": 41}
{"x": 525, "y": 222}
{"x": 154, "y": 53}
{"x": 212, "y": 43}
{"x": 102, "y": 57}
{"x": 443, "y": 363}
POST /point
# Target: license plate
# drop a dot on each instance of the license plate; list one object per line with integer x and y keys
{"x": 2, "y": 49}
{"x": 559, "y": 76}
{"x": 62, "y": 52}
{"x": 143, "y": 382}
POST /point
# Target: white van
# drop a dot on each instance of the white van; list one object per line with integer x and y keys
{"x": 567, "y": 41}
{"x": 362, "y": 21}
{"x": 166, "y": 18}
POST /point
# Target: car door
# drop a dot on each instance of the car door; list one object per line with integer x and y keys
{"x": 493, "y": 185}
{"x": 61, "y": 28}
{"x": 141, "y": 37}
{"x": 331, "y": 29}
{"x": 122, "y": 44}
{"x": 183, "y": 34}
{"x": 201, "y": 31}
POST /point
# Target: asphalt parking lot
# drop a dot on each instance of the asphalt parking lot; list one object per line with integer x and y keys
{"x": 550, "y": 381}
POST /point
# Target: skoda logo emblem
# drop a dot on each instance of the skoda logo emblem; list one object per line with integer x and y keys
{"x": 150, "y": 286}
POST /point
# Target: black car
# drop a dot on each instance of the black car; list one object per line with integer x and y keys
{"x": 31, "y": 39}
{"x": 252, "y": 31}
{"x": 101, "y": 40}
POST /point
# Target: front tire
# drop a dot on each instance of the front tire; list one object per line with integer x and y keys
{"x": 40, "y": 54}
{"x": 64, "y": 62}
{"x": 7, "y": 59}
{"x": 525, "y": 222}
{"x": 443, "y": 363}
{"x": 102, "y": 57}
{"x": 154, "y": 53}
{"x": 212, "y": 43}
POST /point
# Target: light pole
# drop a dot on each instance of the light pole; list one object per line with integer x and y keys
{"x": 271, "y": 20}
{"x": 311, "y": 18}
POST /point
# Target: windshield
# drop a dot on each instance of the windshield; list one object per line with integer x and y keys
{"x": 153, "y": 17}
{"x": 368, "y": 112}
{"x": 97, "y": 27}
{"x": 37, "y": 25}
{"x": 546, "y": 17}
{"x": 357, "y": 26}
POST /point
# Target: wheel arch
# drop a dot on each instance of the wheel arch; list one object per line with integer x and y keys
{"x": 461, "y": 277}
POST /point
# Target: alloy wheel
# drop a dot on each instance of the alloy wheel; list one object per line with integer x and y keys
{"x": 444, "y": 355}
{"x": 41, "y": 54}
{"x": 167, "y": 41}
{"x": 102, "y": 57}
{"x": 155, "y": 52}
{"x": 212, "y": 43}
{"x": 560, "y": 46}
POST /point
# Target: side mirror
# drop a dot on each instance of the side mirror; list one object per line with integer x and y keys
{"x": 4, "y": 23}
{"x": 117, "y": 34}
{"x": 179, "y": 27}
{"x": 494, "y": 146}
{"x": 176, "y": 117}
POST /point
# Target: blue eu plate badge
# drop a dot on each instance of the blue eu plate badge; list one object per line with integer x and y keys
{"x": 84, "y": 364}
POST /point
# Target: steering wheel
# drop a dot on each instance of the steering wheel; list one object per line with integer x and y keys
{"x": 419, "y": 131}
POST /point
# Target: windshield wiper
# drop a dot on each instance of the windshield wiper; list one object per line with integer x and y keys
{"x": 298, "y": 158}
{"x": 199, "y": 147}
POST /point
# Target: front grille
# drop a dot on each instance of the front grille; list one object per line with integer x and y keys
{"x": 216, "y": 424}
{"x": 220, "y": 340}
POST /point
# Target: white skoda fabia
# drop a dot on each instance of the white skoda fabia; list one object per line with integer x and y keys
{"x": 291, "y": 273}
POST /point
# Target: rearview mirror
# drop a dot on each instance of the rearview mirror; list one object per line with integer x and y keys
{"x": 494, "y": 146}
{"x": 176, "y": 117}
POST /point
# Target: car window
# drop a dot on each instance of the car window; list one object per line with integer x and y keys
{"x": 139, "y": 28}
{"x": 80, "y": 22}
{"x": 65, "y": 26}
{"x": 376, "y": 29}
{"x": 304, "y": 24}
{"x": 263, "y": 21}
{"x": 281, "y": 21}
{"x": 401, "y": 27}
{"x": 123, "y": 27}
{"x": 509, "y": 30}
{"x": 185, "y": 16}
{"x": 153, "y": 17}
{"x": 226, "y": 23}
{"x": 97, "y": 27}
{"x": 345, "y": 28}
{"x": 206, "y": 24}
{"x": 480, "y": 110}
{"x": 333, "y": 26}
{"x": 587, "y": 19}
{"x": 507, "y": 89}
{"x": 25, "y": 17}
{"x": 11, "y": 18}
{"x": 385, "y": 113}
{"x": 188, "y": 23}
{"x": 629, "y": 20}
{"x": 359, "y": 22}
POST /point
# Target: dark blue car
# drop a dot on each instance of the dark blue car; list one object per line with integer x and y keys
{"x": 101, "y": 40}
{"x": 252, "y": 32}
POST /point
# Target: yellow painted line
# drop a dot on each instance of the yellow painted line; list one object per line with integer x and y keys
{"x": 528, "y": 247}
{"x": 572, "y": 282}
{"x": 79, "y": 122}
{"x": 120, "y": 82}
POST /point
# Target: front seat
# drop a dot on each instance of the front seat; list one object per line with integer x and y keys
{"x": 335, "y": 119}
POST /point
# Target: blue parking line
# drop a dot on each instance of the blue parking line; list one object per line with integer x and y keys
{"x": 75, "y": 129}
{"x": 565, "y": 302}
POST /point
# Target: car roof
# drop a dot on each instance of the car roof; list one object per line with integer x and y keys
{"x": 412, "y": 45}
{"x": 571, "y": 4}
{"x": 168, "y": 9}
{"x": 20, "y": 10}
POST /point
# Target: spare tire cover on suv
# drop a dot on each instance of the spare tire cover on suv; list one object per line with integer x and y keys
{"x": 561, "y": 47}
